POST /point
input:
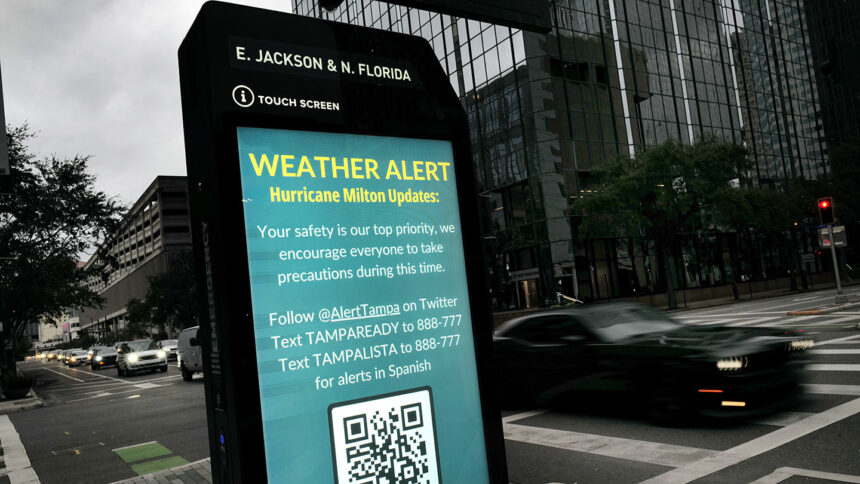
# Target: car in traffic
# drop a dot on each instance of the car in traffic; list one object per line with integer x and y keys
{"x": 169, "y": 347}
{"x": 140, "y": 355}
{"x": 189, "y": 354}
{"x": 103, "y": 356}
{"x": 52, "y": 355}
{"x": 78, "y": 357}
{"x": 637, "y": 355}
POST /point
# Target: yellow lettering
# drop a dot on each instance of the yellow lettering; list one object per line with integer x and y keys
{"x": 431, "y": 171}
{"x": 286, "y": 167}
{"x": 322, "y": 160}
{"x": 355, "y": 164}
{"x": 335, "y": 167}
{"x": 418, "y": 169}
{"x": 392, "y": 171}
{"x": 305, "y": 167}
{"x": 444, "y": 170}
{"x": 271, "y": 166}
{"x": 371, "y": 167}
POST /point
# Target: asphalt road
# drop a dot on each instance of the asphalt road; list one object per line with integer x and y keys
{"x": 817, "y": 441}
{"x": 88, "y": 414}
{"x": 98, "y": 428}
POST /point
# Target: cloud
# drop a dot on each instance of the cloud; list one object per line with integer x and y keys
{"x": 100, "y": 78}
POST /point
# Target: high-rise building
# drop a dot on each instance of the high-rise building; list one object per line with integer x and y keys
{"x": 612, "y": 77}
{"x": 834, "y": 37}
{"x": 155, "y": 233}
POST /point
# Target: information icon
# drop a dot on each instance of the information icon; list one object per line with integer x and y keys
{"x": 243, "y": 96}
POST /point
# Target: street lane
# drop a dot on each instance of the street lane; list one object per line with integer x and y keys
{"x": 610, "y": 446}
{"x": 89, "y": 414}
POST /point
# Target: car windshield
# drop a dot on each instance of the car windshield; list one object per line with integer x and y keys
{"x": 618, "y": 324}
{"x": 142, "y": 345}
{"x": 105, "y": 351}
{"x": 167, "y": 342}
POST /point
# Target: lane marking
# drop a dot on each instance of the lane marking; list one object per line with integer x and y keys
{"x": 720, "y": 321}
{"x": 784, "y": 473}
{"x": 16, "y": 462}
{"x": 63, "y": 374}
{"x": 837, "y": 340}
{"x": 783, "y": 419}
{"x": 830, "y": 389}
{"x": 146, "y": 386}
{"x": 753, "y": 321}
{"x": 134, "y": 445}
{"x": 828, "y": 367}
{"x": 804, "y": 298}
{"x": 522, "y": 415}
{"x": 635, "y": 450}
{"x": 752, "y": 448}
{"x": 838, "y": 320}
{"x": 835, "y": 352}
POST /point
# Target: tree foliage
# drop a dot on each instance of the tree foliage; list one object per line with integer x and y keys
{"x": 50, "y": 212}
{"x": 663, "y": 193}
{"x": 169, "y": 302}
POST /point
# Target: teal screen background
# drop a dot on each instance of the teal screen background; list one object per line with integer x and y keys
{"x": 294, "y": 411}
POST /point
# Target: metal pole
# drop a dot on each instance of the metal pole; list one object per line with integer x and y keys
{"x": 840, "y": 298}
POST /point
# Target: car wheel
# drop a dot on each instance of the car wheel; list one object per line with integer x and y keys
{"x": 119, "y": 371}
{"x": 163, "y": 369}
{"x": 186, "y": 375}
{"x": 669, "y": 408}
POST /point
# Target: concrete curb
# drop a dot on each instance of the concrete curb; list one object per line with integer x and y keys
{"x": 12, "y": 406}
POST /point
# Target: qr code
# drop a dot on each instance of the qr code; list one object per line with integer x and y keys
{"x": 386, "y": 439}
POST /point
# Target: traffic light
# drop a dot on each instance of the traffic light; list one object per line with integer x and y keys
{"x": 825, "y": 211}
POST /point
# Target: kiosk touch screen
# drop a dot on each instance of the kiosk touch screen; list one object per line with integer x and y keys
{"x": 361, "y": 316}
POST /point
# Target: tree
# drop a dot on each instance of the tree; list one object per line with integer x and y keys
{"x": 50, "y": 212}
{"x": 170, "y": 300}
{"x": 665, "y": 192}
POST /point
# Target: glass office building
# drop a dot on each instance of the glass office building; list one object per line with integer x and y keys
{"x": 612, "y": 77}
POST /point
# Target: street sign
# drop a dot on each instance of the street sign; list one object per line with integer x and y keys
{"x": 834, "y": 235}
{"x": 336, "y": 233}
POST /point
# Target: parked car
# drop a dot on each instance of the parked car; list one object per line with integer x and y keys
{"x": 78, "y": 357}
{"x": 623, "y": 352}
{"x": 103, "y": 356}
{"x": 189, "y": 355}
{"x": 140, "y": 355}
{"x": 169, "y": 347}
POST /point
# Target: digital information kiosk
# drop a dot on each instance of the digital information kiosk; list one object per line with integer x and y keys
{"x": 343, "y": 315}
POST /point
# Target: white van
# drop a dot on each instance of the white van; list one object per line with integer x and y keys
{"x": 189, "y": 355}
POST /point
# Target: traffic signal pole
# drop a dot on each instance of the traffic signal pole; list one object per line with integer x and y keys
{"x": 840, "y": 298}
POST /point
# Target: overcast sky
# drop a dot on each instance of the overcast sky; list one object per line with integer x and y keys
{"x": 100, "y": 78}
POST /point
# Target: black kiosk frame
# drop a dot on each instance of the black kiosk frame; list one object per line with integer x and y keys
{"x": 223, "y": 88}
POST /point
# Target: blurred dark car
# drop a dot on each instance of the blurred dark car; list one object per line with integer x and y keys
{"x": 103, "y": 356}
{"x": 636, "y": 355}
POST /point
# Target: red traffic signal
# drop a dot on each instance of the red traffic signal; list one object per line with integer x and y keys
{"x": 825, "y": 211}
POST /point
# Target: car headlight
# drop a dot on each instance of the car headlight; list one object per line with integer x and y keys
{"x": 98, "y": 358}
{"x": 732, "y": 364}
{"x": 73, "y": 359}
{"x": 801, "y": 345}
{"x": 161, "y": 354}
{"x": 132, "y": 358}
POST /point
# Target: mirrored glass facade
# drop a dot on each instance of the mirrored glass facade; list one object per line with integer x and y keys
{"x": 612, "y": 77}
